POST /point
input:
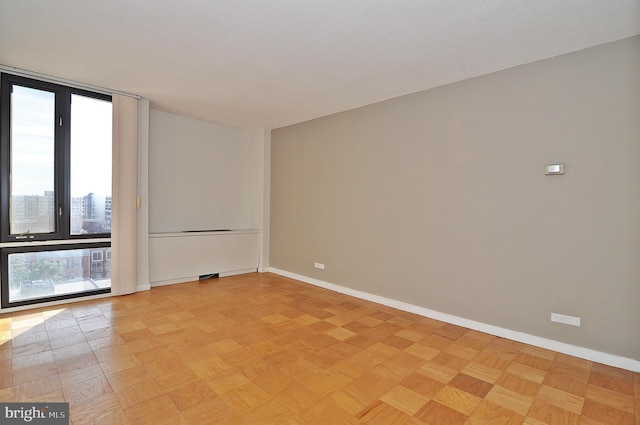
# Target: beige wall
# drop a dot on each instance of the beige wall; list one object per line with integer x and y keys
{"x": 439, "y": 198}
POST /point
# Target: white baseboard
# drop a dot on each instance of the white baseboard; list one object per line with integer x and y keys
{"x": 561, "y": 347}
{"x": 236, "y": 272}
{"x": 143, "y": 287}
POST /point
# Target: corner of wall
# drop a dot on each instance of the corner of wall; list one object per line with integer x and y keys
{"x": 266, "y": 202}
{"x": 143, "y": 197}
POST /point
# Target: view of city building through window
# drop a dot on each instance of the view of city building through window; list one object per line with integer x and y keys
{"x": 33, "y": 160}
{"x": 43, "y": 274}
{"x": 33, "y": 213}
{"x": 33, "y": 129}
{"x": 90, "y": 165}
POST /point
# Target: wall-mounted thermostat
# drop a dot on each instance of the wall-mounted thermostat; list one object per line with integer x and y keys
{"x": 554, "y": 169}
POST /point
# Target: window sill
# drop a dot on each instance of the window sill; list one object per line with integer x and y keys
{"x": 52, "y": 242}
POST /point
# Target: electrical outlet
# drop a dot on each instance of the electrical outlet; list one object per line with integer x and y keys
{"x": 319, "y": 266}
{"x": 554, "y": 169}
{"x": 565, "y": 320}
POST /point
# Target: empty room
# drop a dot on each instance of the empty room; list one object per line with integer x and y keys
{"x": 410, "y": 212}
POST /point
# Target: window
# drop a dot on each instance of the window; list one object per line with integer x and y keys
{"x": 35, "y": 274}
{"x": 55, "y": 173}
{"x": 56, "y": 161}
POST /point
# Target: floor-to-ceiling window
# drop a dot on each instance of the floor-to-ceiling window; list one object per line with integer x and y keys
{"x": 55, "y": 191}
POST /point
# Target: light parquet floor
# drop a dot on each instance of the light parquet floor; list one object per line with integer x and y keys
{"x": 262, "y": 349}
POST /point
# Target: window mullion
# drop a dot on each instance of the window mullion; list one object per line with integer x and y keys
{"x": 63, "y": 158}
{"x": 5, "y": 108}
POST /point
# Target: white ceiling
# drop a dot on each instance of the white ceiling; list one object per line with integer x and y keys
{"x": 271, "y": 63}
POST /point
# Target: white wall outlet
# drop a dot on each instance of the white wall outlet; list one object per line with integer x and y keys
{"x": 319, "y": 266}
{"x": 565, "y": 320}
{"x": 554, "y": 169}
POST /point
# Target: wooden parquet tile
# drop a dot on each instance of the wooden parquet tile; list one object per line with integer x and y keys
{"x": 262, "y": 349}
